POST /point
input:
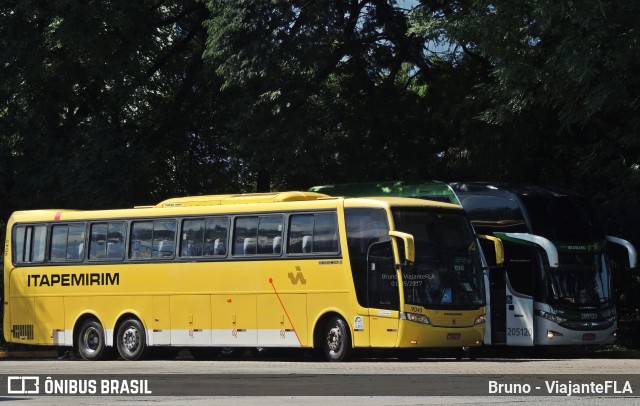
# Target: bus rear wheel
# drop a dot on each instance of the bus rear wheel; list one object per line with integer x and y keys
{"x": 91, "y": 345}
{"x": 336, "y": 340}
{"x": 130, "y": 340}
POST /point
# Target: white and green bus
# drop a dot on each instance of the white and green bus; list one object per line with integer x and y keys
{"x": 556, "y": 286}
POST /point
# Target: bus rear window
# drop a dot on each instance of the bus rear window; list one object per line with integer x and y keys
{"x": 29, "y": 244}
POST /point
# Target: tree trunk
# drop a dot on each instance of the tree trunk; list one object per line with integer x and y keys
{"x": 264, "y": 180}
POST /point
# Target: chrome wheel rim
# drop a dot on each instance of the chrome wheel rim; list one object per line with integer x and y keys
{"x": 91, "y": 339}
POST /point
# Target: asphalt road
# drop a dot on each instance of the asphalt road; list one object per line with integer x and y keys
{"x": 581, "y": 378}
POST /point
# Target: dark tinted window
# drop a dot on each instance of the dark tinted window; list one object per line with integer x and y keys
{"x": 520, "y": 264}
{"x": 67, "y": 242}
{"x": 258, "y": 235}
{"x": 204, "y": 237}
{"x": 492, "y": 213}
{"x": 106, "y": 241}
{"x": 153, "y": 239}
{"x": 364, "y": 228}
{"x": 313, "y": 233}
{"x": 563, "y": 218}
{"x": 29, "y": 243}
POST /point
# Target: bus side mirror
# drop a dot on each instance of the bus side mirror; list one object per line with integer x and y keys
{"x": 409, "y": 245}
{"x": 497, "y": 246}
{"x": 534, "y": 240}
{"x": 633, "y": 255}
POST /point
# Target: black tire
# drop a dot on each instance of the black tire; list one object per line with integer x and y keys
{"x": 336, "y": 340}
{"x": 91, "y": 343}
{"x": 131, "y": 340}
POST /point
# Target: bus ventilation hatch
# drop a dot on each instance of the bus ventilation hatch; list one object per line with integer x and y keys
{"x": 23, "y": 331}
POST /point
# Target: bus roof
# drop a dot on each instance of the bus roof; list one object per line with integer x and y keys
{"x": 221, "y": 204}
{"x": 509, "y": 189}
{"x": 433, "y": 190}
{"x": 245, "y": 198}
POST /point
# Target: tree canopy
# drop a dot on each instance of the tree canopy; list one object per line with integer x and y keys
{"x": 111, "y": 104}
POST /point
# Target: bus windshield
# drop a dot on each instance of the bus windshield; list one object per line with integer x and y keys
{"x": 563, "y": 218}
{"x": 581, "y": 280}
{"x": 447, "y": 272}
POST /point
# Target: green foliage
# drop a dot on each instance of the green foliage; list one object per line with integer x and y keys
{"x": 323, "y": 82}
{"x": 555, "y": 101}
{"x": 108, "y": 103}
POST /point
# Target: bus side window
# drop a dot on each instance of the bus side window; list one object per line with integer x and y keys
{"x": 98, "y": 241}
{"x": 67, "y": 242}
{"x": 364, "y": 227}
{"x": 141, "y": 240}
{"x": 269, "y": 229}
{"x": 106, "y": 241}
{"x": 164, "y": 234}
{"x": 300, "y": 225}
{"x": 115, "y": 241}
{"x": 215, "y": 236}
{"x": 325, "y": 233}
{"x": 313, "y": 233}
{"x": 192, "y": 238}
{"x": 29, "y": 243}
{"x": 245, "y": 228}
{"x": 520, "y": 267}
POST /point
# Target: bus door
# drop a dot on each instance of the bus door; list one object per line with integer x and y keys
{"x": 626, "y": 289}
{"x": 383, "y": 295}
{"x": 521, "y": 264}
{"x": 519, "y": 306}
{"x": 498, "y": 306}
{"x": 492, "y": 257}
{"x": 523, "y": 268}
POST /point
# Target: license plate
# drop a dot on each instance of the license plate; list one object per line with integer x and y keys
{"x": 453, "y": 336}
{"x": 588, "y": 337}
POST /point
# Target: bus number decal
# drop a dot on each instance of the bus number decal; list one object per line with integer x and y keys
{"x": 519, "y": 332}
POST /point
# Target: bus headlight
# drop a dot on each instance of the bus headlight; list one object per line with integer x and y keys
{"x": 550, "y": 316}
{"x": 480, "y": 319}
{"x": 417, "y": 318}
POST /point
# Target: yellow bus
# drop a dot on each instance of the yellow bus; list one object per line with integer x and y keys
{"x": 286, "y": 269}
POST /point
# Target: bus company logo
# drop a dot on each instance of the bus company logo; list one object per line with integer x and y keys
{"x": 21, "y": 385}
{"x": 297, "y": 277}
{"x": 68, "y": 279}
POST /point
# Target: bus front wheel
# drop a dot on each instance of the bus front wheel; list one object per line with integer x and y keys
{"x": 131, "y": 340}
{"x": 91, "y": 343}
{"x": 336, "y": 340}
